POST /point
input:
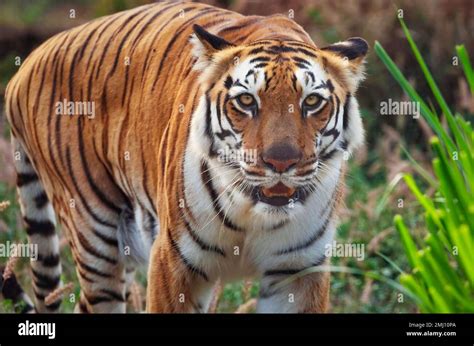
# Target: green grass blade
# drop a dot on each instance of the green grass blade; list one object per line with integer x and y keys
{"x": 466, "y": 65}
{"x": 407, "y": 240}
{"x": 419, "y": 169}
{"x": 389, "y": 261}
{"x": 431, "y": 82}
{"x": 432, "y": 119}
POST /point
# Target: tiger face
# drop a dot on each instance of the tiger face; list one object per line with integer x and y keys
{"x": 280, "y": 113}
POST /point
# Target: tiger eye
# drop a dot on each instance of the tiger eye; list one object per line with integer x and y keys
{"x": 311, "y": 100}
{"x": 246, "y": 99}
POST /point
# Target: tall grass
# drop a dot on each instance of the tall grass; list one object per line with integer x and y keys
{"x": 442, "y": 263}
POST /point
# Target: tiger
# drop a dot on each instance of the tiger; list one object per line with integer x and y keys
{"x": 191, "y": 141}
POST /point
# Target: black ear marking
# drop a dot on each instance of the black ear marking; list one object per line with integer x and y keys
{"x": 209, "y": 39}
{"x": 351, "y": 49}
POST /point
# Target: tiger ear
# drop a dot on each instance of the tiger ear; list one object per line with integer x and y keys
{"x": 350, "y": 53}
{"x": 354, "y": 49}
{"x": 206, "y": 45}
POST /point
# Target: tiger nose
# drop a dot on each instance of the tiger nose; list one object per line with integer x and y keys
{"x": 281, "y": 157}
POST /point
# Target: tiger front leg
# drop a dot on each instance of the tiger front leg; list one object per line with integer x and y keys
{"x": 175, "y": 284}
{"x": 307, "y": 294}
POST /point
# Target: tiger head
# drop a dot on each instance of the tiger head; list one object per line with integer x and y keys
{"x": 281, "y": 114}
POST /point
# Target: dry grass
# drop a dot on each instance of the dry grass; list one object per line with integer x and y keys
{"x": 58, "y": 293}
{"x": 10, "y": 268}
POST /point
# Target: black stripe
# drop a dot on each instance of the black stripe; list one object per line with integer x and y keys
{"x": 260, "y": 59}
{"x": 281, "y": 49}
{"x": 157, "y": 33}
{"x": 330, "y": 86}
{"x": 86, "y": 245}
{"x": 256, "y": 50}
{"x": 267, "y": 80}
{"x": 45, "y": 281}
{"x": 10, "y": 288}
{"x": 39, "y": 227}
{"x": 259, "y": 42}
{"x": 208, "y": 130}
{"x": 292, "y": 271}
{"x": 58, "y": 133}
{"x": 294, "y": 79}
{"x": 218, "y": 111}
{"x": 125, "y": 87}
{"x": 95, "y": 189}
{"x": 237, "y": 83}
{"x": 232, "y": 28}
{"x": 334, "y": 113}
{"x": 185, "y": 261}
{"x": 84, "y": 275}
{"x": 49, "y": 261}
{"x": 105, "y": 25}
{"x": 338, "y": 106}
{"x": 105, "y": 239}
{"x": 235, "y": 109}
{"x": 40, "y": 89}
{"x": 280, "y": 225}
{"x": 307, "y": 52}
{"x": 147, "y": 24}
{"x": 203, "y": 245}
{"x": 54, "y": 306}
{"x": 267, "y": 293}
{"x": 145, "y": 177}
{"x": 344, "y": 144}
{"x": 92, "y": 270}
{"x": 176, "y": 35}
{"x": 345, "y": 115}
{"x": 83, "y": 307}
{"x": 316, "y": 236}
{"x": 38, "y": 295}
{"x": 51, "y": 109}
{"x": 72, "y": 66}
{"x": 332, "y": 132}
{"x": 251, "y": 71}
{"x": 99, "y": 299}
{"x": 85, "y": 43}
{"x": 300, "y": 60}
{"x": 207, "y": 181}
{"x": 25, "y": 178}
{"x": 88, "y": 208}
{"x": 112, "y": 37}
{"x": 224, "y": 132}
{"x": 224, "y": 110}
{"x": 116, "y": 296}
{"x": 289, "y": 271}
{"x": 41, "y": 200}
{"x": 125, "y": 37}
{"x": 228, "y": 82}
{"x": 327, "y": 156}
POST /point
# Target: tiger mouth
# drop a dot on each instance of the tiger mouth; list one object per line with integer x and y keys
{"x": 278, "y": 195}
